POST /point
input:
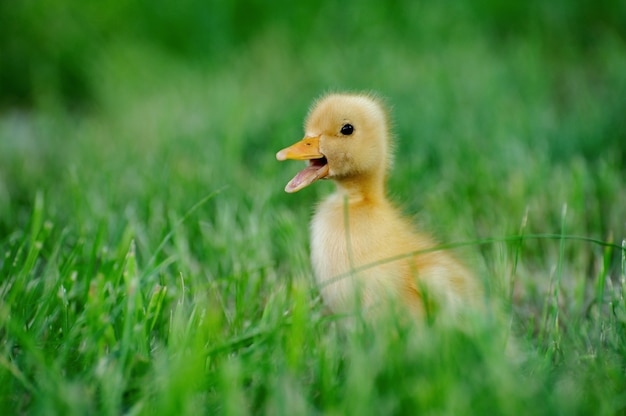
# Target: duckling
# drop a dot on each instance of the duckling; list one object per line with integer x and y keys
{"x": 364, "y": 252}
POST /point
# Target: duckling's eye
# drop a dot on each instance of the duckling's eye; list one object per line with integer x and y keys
{"x": 347, "y": 129}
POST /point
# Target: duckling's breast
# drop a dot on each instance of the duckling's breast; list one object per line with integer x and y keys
{"x": 360, "y": 253}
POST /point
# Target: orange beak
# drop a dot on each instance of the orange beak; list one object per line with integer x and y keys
{"x": 306, "y": 149}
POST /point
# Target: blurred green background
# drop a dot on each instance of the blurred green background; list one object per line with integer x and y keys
{"x": 118, "y": 117}
{"x": 54, "y": 48}
{"x": 122, "y": 110}
{"x": 125, "y": 111}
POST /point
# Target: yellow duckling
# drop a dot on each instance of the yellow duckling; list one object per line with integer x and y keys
{"x": 364, "y": 252}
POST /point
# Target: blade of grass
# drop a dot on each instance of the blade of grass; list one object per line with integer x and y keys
{"x": 493, "y": 240}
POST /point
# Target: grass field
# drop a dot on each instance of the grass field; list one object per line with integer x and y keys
{"x": 150, "y": 262}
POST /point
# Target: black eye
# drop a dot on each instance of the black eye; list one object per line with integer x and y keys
{"x": 347, "y": 129}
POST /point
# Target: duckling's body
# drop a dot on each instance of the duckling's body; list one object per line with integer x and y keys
{"x": 368, "y": 250}
{"x": 364, "y": 252}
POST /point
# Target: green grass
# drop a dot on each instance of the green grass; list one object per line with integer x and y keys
{"x": 150, "y": 262}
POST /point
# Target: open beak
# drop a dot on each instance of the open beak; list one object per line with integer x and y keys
{"x": 306, "y": 149}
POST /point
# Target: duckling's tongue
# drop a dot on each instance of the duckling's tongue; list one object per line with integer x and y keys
{"x": 307, "y": 176}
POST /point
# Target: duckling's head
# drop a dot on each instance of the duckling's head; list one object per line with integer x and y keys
{"x": 346, "y": 139}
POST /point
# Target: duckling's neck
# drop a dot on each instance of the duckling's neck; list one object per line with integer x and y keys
{"x": 368, "y": 188}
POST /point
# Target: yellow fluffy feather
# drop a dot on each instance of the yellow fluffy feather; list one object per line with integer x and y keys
{"x": 361, "y": 244}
